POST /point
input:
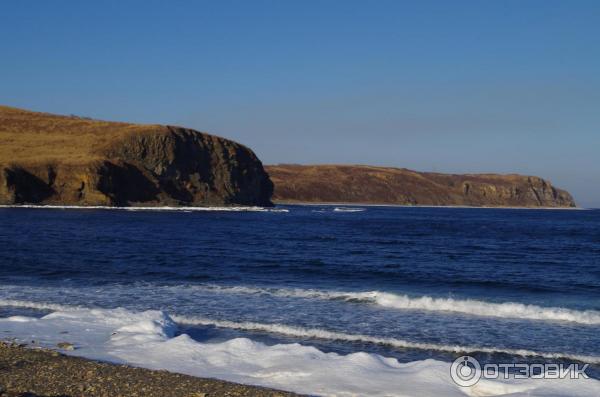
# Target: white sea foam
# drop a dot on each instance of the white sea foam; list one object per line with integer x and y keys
{"x": 37, "y": 305}
{"x": 65, "y": 311}
{"x": 348, "y": 209}
{"x": 148, "y": 339}
{"x": 317, "y": 333}
{"x": 428, "y": 303}
{"x": 492, "y": 309}
{"x": 165, "y": 208}
{"x": 472, "y": 307}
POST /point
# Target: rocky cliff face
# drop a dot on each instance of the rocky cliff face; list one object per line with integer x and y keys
{"x": 48, "y": 159}
{"x": 381, "y": 185}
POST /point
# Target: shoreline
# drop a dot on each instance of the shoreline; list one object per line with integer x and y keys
{"x": 238, "y": 208}
{"x": 38, "y": 372}
{"x": 270, "y": 209}
{"x": 426, "y": 206}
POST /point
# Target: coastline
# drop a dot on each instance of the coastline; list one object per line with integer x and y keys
{"x": 270, "y": 209}
{"x": 237, "y": 208}
{"x": 37, "y": 372}
{"x": 277, "y": 202}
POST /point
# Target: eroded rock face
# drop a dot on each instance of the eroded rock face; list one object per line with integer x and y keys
{"x": 189, "y": 167}
{"x": 382, "y": 185}
{"x": 118, "y": 164}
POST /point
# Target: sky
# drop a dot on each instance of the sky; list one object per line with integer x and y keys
{"x": 446, "y": 86}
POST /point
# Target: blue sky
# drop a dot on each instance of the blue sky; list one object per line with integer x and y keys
{"x": 448, "y": 86}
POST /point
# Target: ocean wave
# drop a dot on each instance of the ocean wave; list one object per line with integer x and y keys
{"x": 149, "y": 339}
{"x": 302, "y": 332}
{"x": 427, "y": 303}
{"x": 166, "y": 208}
{"x": 470, "y": 307}
{"x": 317, "y": 333}
{"x": 39, "y": 305}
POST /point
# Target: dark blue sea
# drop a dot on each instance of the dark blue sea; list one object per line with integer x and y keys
{"x": 410, "y": 283}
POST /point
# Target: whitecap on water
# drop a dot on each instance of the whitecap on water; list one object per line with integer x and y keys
{"x": 427, "y": 303}
{"x": 147, "y": 339}
{"x": 348, "y": 209}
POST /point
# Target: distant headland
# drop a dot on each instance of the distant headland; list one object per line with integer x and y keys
{"x": 47, "y": 159}
{"x": 384, "y": 185}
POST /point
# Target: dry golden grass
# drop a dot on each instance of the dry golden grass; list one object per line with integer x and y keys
{"x": 34, "y": 138}
{"x": 386, "y": 185}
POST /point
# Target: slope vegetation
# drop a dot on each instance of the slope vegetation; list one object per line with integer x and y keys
{"x": 383, "y": 185}
{"x": 50, "y": 159}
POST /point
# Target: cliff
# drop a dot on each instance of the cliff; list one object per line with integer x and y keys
{"x": 382, "y": 185}
{"x": 59, "y": 160}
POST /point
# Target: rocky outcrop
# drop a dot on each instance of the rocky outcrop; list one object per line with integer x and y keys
{"x": 49, "y": 159}
{"x": 382, "y": 185}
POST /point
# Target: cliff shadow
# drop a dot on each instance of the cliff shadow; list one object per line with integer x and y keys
{"x": 26, "y": 187}
{"x": 125, "y": 184}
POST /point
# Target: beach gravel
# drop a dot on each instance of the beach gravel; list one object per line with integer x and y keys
{"x": 43, "y": 373}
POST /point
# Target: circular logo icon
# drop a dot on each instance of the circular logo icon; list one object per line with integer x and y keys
{"x": 465, "y": 371}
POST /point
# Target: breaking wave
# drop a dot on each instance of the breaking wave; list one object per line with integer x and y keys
{"x": 427, "y": 303}
{"x": 149, "y": 339}
{"x": 38, "y": 305}
{"x": 316, "y": 333}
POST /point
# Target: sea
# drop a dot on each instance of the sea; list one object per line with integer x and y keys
{"x": 325, "y": 300}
